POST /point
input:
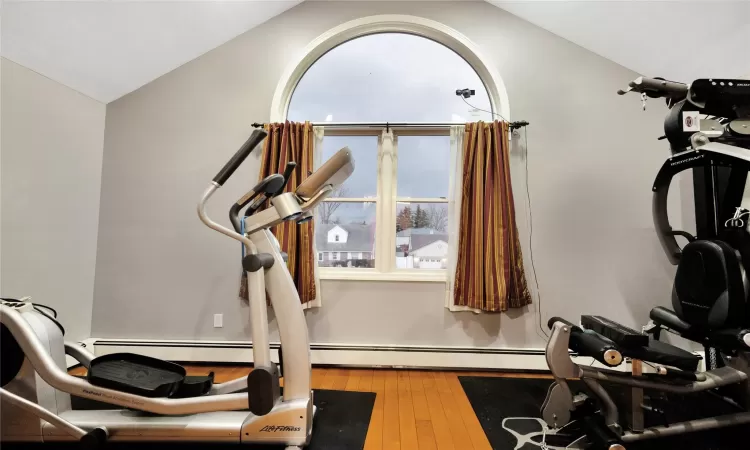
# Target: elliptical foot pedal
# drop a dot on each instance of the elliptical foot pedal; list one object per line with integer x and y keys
{"x": 136, "y": 374}
{"x": 195, "y": 386}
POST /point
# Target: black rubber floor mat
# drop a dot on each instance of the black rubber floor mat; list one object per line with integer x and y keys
{"x": 341, "y": 423}
{"x": 509, "y": 411}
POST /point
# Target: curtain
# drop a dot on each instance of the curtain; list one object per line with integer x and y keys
{"x": 455, "y": 187}
{"x": 488, "y": 270}
{"x": 291, "y": 141}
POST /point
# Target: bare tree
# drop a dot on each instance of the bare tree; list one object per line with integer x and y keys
{"x": 326, "y": 209}
{"x": 438, "y": 217}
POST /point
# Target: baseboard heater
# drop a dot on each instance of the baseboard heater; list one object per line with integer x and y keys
{"x": 460, "y": 358}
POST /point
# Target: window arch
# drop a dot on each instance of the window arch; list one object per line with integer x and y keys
{"x": 389, "y": 77}
{"x": 450, "y": 38}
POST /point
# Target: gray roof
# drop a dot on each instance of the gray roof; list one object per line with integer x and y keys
{"x": 415, "y": 231}
{"x": 361, "y": 238}
{"x": 423, "y": 240}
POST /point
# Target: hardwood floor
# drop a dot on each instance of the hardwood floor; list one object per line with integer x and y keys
{"x": 414, "y": 409}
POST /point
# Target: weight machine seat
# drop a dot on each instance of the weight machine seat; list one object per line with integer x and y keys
{"x": 723, "y": 338}
{"x": 666, "y": 354}
{"x": 602, "y": 333}
{"x": 710, "y": 287}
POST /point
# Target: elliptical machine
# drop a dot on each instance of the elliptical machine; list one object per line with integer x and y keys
{"x": 162, "y": 404}
{"x": 710, "y": 297}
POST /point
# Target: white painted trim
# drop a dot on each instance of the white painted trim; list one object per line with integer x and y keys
{"x": 421, "y": 200}
{"x": 390, "y": 24}
{"x": 425, "y": 357}
{"x": 335, "y": 273}
{"x": 337, "y": 355}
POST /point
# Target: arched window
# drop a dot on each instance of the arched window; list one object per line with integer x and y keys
{"x": 385, "y": 87}
{"x": 389, "y": 77}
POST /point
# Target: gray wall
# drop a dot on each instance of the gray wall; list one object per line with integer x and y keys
{"x": 52, "y": 144}
{"x": 592, "y": 159}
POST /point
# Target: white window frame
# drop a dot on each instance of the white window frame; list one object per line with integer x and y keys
{"x": 386, "y": 201}
{"x": 320, "y": 256}
{"x": 390, "y": 23}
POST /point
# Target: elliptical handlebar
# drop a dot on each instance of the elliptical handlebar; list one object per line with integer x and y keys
{"x": 231, "y": 166}
{"x": 257, "y": 195}
{"x": 288, "y": 171}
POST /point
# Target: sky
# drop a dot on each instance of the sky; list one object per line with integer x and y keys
{"x": 390, "y": 78}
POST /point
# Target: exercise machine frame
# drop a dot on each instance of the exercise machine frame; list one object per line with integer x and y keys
{"x": 718, "y": 155}
{"x": 36, "y": 402}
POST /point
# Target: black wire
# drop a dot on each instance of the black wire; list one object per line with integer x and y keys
{"x": 483, "y": 110}
{"x": 531, "y": 235}
{"x": 46, "y": 307}
{"x": 59, "y": 325}
{"x": 36, "y": 307}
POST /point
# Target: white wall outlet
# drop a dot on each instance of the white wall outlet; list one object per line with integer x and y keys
{"x": 218, "y": 320}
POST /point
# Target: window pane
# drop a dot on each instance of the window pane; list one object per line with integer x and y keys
{"x": 423, "y": 166}
{"x": 364, "y": 181}
{"x": 389, "y": 77}
{"x": 345, "y": 234}
{"x": 421, "y": 235}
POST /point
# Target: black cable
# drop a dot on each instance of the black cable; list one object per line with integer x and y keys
{"x": 37, "y": 307}
{"x": 59, "y": 325}
{"x": 484, "y": 110}
{"x": 46, "y": 307}
{"x": 531, "y": 235}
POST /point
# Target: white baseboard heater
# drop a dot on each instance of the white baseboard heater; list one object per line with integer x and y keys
{"x": 344, "y": 355}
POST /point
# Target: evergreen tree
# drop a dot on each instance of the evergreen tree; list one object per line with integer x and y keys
{"x": 421, "y": 219}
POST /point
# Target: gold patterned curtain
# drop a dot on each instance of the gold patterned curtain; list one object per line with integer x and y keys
{"x": 489, "y": 270}
{"x": 292, "y": 141}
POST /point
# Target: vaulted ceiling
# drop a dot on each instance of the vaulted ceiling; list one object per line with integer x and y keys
{"x": 675, "y": 39}
{"x": 106, "y": 49}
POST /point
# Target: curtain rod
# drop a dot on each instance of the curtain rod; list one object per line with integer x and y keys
{"x": 513, "y": 125}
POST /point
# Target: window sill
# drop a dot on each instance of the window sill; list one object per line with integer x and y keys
{"x": 432, "y": 276}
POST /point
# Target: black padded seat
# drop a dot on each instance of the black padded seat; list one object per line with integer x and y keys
{"x": 709, "y": 287}
{"x": 665, "y": 354}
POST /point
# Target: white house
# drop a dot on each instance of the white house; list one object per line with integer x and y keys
{"x": 421, "y": 248}
{"x": 430, "y": 256}
{"x": 345, "y": 245}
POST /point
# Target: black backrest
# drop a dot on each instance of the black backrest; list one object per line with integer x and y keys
{"x": 710, "y": 286}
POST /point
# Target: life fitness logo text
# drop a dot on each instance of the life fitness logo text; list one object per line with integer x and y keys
{"x": 277, "y": 428}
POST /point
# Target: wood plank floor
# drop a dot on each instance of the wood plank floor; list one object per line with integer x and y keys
{"x": 414, "y": 409}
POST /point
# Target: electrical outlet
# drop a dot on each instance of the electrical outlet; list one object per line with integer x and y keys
{"x": 218, "y": 320}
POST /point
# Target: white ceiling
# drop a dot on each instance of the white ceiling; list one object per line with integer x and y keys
{"x": 107, "y": 48}
{"x": 675, "y": 39}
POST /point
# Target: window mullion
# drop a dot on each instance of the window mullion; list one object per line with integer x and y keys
{"x": 385, "y": 239}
